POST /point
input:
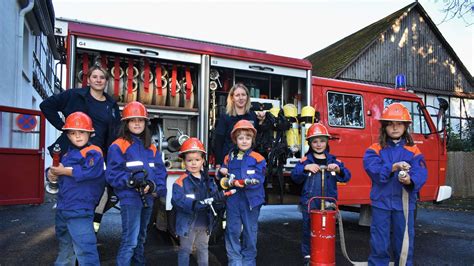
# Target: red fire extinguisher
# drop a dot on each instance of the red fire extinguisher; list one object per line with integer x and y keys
{"x": 323, "y": 233}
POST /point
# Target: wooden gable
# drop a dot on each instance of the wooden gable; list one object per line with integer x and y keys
{"x": 405, "y": 42}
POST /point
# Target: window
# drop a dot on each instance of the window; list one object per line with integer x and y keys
{"x": 345, "y": 110}
{"x": 26, "y": 50}
{"x": 419, "y": 124}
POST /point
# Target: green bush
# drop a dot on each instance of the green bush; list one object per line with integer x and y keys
{"x": 463, "y": 141}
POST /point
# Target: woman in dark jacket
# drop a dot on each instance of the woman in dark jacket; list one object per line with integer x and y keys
{"x": 238, "y": 108}
{"x": 91, "y": 100}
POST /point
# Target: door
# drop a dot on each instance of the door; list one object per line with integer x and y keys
{"x": 21, "y": 156}
{"x": 344, "y": 114}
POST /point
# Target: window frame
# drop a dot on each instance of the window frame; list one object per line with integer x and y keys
{"x": 363, "y": 122}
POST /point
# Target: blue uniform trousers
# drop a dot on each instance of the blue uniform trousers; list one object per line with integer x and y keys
{"x": 76, "y": 237}
{"x": 380, "y": 240}
{"x": 135, "y": 220}
{"x": 241, "y": 219}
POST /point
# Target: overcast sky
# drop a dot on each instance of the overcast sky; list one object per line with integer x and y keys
{"x": 289, "y": 28}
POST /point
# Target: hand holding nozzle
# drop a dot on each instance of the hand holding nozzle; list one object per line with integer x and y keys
{"x": 404, "y": 177}
{"x": 220, "y": 195}
{"x": 402, "y": 165}
{"x": 228, "y": 182}
{"x": 138, "y": 180}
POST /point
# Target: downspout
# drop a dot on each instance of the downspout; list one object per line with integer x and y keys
{"x": 19, "y": 67}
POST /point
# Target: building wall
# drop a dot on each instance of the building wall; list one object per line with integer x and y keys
{"x": 37, "y": 75}
{"x": 410, "y": 47}
{"x": 9, "y": 20}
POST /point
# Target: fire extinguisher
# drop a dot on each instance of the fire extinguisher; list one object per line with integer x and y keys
{"x": 52, "y": 186}
{"x": 323, "y": 229}
{"x": 323, "y": 233}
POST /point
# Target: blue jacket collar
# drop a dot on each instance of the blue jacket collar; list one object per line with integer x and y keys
{"x": 329, "y": 157}
{"x": 390, "y": 142}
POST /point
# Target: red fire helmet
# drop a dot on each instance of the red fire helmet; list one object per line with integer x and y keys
{"x": 78, "y": 121}
{"x": 396, "y": 112}
{"x": 242, "y": 124}
{"x": 317, "y": 130}
{"x": 134, "y": 110}
{"x": 192, "y": 145}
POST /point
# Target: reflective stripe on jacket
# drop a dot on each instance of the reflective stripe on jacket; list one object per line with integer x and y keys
{"x": 125, "y": 158}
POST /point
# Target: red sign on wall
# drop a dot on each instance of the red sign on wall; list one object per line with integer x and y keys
{"x": 26, "y": 122}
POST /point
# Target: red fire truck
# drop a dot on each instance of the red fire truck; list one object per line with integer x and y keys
{"x": 184, "y": 84}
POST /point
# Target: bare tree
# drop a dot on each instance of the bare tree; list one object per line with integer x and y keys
{"x": 463, "y": 9}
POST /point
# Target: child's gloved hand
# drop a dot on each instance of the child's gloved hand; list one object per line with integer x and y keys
{"x": 399, "y": 166}
{"x": 313, "y": 168}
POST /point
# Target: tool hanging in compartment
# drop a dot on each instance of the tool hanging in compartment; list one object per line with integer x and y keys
{"x": 81, "y": 76}
{"x": 146, "y": 84}
{"x": 161, "y": 85}
{"x": 115, "y": 85}
{"x": 187, "y": 90}
{"x": 131, "y": 86}
{"x": 175, "y": 88}
{"x": 135, "y": 79}
{"x": 102, "y": 61}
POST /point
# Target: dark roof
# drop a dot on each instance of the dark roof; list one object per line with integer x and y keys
{"x": 333, "y": 60}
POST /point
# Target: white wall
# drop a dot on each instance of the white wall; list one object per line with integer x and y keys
{"x": 9, "y": 11}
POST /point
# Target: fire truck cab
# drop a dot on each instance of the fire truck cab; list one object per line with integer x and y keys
{"x": 351, "y": 111}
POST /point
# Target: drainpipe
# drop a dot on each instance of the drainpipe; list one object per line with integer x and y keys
{"x": 19, "y": 65}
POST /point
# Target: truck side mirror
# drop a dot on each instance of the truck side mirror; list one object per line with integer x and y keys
{"x": 443, "y": 105}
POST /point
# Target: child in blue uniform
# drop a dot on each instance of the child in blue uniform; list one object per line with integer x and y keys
{"x": 243, "y": 208}
{"x": 80, "y": 177}
{"x": 135, "y": 170}
{"x": 194, "y": 218}
{"x": 398, "y": 170}
{"x": 308, "y": 172}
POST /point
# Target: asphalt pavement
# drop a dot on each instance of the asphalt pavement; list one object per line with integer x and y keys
{"x": 444, "y": 236}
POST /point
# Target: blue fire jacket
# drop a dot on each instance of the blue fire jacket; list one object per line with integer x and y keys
{"x": 84, "y": 188}
{"x": 125, "y": 158}
{"x": 386, "y": 190}
{"x": 312, "y": 182}
{"x": 186, "y": 194}
{"x": 252, "y": 165}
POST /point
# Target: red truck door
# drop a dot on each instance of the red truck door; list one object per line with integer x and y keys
{"x": 344, "y": 112}
{"x": 21, "y": 156}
